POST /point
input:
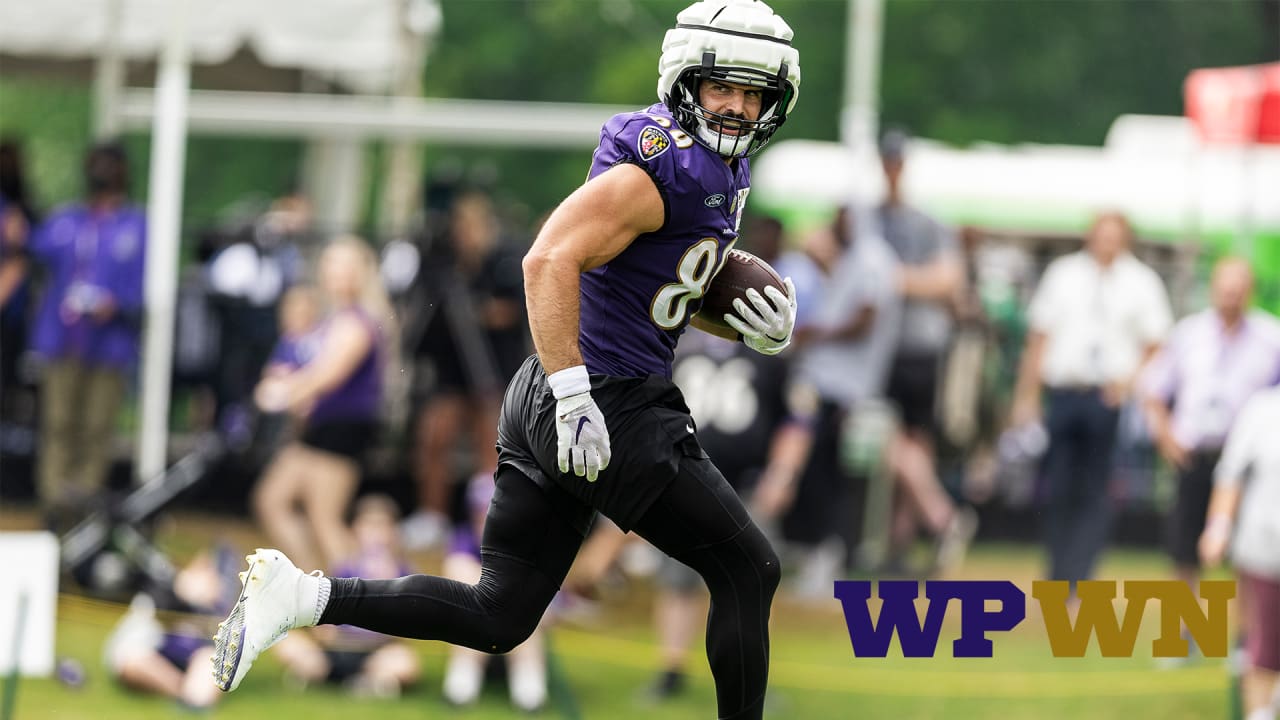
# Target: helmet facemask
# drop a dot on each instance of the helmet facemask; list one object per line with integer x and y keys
{"x": 748, "y": 137}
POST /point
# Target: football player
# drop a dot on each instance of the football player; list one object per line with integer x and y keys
{"x": 593, "y": 423}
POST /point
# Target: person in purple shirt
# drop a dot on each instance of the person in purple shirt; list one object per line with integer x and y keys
{"x": 159, "y": 646}
{"x": 335, "y": 388}
{"x": 1213, "y": 362}
{"x": 593, "y": 423}
{"x": 87, "y": 328}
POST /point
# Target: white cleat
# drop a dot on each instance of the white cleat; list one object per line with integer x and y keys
{"x": 267, "y": 609}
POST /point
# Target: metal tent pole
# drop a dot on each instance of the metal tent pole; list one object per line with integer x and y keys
{"x": 164, "y": 224}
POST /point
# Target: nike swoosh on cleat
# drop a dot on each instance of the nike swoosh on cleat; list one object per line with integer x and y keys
{"x": 689, "y": 428}
{"x": 581, "y": 421}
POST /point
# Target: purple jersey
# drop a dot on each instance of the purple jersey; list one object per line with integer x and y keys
{"x": 359, "y": 396}
{"x": 634, "y": 308}
{"x": 91, "y": 257}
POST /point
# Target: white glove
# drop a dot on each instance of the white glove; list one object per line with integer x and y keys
{"x": 767, "y": 328}
{"x": 582, "y": 440}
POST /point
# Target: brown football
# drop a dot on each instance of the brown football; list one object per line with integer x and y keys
{"x": 741, "y": 271}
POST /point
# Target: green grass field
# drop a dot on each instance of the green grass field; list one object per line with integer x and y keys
{"x": 602, "y": 670}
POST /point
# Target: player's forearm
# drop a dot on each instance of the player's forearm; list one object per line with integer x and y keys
{"x": 551, "y": 284}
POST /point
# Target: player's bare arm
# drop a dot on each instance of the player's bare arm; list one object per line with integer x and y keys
{"x": 594, "y": 224}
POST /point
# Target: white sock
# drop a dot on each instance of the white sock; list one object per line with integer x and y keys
{"x": 1262, "y": 714}
{"x": 313, "y": 592}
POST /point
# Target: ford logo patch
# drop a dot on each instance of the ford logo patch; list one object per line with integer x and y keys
{"x": 714, "y": 200}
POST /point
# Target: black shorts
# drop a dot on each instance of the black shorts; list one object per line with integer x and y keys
{"x": 345, "y": 664}
{"x": 913, "y": 388}
{"x": 346, "y": 438}
{"x": 650, "y": 430}
{"x": 1186, "y": 519}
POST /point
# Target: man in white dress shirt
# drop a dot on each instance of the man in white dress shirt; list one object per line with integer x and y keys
{"x": 1096, "y": 318}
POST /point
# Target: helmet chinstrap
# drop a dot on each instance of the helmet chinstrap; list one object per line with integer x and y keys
{"x": 751, "y": 135}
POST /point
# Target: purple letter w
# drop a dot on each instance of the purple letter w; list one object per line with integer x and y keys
{"x": 898, "y": 613}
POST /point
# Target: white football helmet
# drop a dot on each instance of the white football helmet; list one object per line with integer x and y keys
{"x": 738, "y": 41}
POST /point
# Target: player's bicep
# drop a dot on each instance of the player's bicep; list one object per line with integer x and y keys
{"x": 602, "y": 217}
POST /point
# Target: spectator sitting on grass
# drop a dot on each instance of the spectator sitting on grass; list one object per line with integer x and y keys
{"x": 169, "y": 656}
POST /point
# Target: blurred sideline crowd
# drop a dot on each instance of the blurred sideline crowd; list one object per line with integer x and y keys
{"x": 938, "y": 378}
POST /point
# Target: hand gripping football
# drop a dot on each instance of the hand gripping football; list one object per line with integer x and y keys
{"x": 741, "y": 271}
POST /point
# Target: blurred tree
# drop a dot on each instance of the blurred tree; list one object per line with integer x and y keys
{"x": 1269, "y": 12}
{"x": 956, "y": 70}
{"x": 597, "y": 51}
{"x": 1055, "y": 71}
{"x": 548, "y": 50}
{"x": 51, "y": 118}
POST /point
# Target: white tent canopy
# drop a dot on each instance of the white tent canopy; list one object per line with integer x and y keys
{"x": 361, "y": 43}
{"x": 348, "y": 40}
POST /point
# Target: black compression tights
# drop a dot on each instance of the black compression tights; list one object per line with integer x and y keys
{"x": 527, "y": 549}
